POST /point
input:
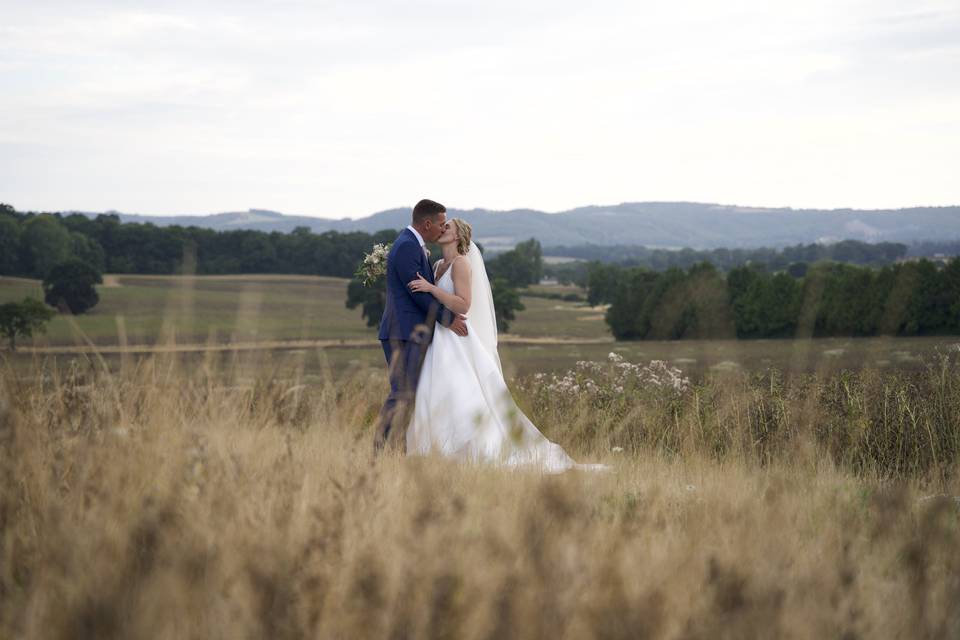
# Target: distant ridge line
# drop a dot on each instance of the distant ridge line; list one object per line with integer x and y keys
{"x": 652, "y": 224}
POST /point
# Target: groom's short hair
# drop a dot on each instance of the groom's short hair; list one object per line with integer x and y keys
{"x": 427, "y": 209}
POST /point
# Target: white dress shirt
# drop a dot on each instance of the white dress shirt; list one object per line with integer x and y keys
{"x": 423, "y": 245}
{"x": 419, "y": 237}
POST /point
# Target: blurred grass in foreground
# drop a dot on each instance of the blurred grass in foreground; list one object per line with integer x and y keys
{"x": 216, "y": 499}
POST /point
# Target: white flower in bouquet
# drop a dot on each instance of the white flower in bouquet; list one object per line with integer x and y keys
{"x": 374, "y": 265}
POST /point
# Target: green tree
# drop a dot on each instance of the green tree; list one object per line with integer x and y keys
{"x": 257, "y": 253}
{"x": 797, "y": 269}
{"x": 574, "y": 272}
{"x": 769, "y": 307}
{"x": 662, "y": 313}
{"x": 707, "y": 312}
{"x": 88, "y": 250}
{"x": 916, "y": 298}
{"x": 929, "y": 306}
{"x": 521, "y": 266}
{"x": 849, "y": 306}
{"x": 22, "y": 319}
{"x": 625, "y": 315}
{"x": 9, "y": 246}
{"x": 951, "y": 285}
{"x": 44, "y": 243}
{"x": 70, "y": 286}
{"x": 739, "y": 282}
{"x": 687, "y": 304}
{"x": 372, "y": 300}
{"x": 603, "y": 282}
{"x": 506, "y": 302}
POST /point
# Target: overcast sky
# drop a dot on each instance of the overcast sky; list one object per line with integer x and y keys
{"x": 346, "y": 108}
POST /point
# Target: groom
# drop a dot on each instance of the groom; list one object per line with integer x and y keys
{"x": 408, "y": 319}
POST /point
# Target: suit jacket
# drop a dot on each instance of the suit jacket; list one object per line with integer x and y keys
{"x": 406, "y": 310}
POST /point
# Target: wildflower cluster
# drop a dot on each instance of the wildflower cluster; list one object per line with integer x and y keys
{"x": 612, "y": 379}
{"x": 374, "y": 265}
{"x": 655, "y": 374}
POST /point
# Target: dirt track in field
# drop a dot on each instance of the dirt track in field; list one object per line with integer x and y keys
{"x": 270, "y": 345}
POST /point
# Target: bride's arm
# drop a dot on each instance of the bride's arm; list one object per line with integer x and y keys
{"x": 459, "y": 301}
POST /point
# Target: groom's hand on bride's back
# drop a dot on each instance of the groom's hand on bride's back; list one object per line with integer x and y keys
{"x": 459, "y": 325}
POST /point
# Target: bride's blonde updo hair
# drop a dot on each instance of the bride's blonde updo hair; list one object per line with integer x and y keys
{"x": 464, "y": 234}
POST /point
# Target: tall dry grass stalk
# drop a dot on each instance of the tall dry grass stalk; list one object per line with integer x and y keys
{"x": 891, "y": 424}
{"x": 166, "y": 501}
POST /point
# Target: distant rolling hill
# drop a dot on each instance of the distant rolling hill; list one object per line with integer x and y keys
{"x": 653, "y": 224}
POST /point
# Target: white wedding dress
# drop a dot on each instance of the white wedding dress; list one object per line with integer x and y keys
{"x": 463, "y": 407}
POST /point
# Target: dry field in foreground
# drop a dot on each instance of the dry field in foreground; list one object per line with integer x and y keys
{"x": 164, "y": 502}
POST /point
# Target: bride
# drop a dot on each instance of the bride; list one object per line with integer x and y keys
{"x": 463, "y": 408}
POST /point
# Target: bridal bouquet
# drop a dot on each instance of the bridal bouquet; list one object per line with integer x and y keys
{"x": 374, "y": 265}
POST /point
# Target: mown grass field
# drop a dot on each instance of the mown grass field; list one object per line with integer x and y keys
{"x": 204, "y": 309}
{"x": 244, "y": 308}
{"x": 285, "y": 314}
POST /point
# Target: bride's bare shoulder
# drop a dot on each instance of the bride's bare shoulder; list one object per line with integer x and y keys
{"x": 460, "y": 264}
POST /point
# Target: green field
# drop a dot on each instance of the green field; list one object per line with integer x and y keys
{"x": 543, "y": 317}
{"x": 227, "y": 309}
{"x": 217, "y": 309}
{"x": 302, "y": 321}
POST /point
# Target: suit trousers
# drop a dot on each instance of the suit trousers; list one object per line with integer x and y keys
{"x": 404, "y": 360}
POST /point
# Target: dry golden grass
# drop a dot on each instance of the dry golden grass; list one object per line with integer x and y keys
{"x": 160, "y": 502}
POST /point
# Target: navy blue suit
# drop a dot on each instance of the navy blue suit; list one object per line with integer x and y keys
{"x": 406, "y": 329}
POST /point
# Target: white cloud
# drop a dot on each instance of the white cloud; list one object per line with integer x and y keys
{"x": 346, "y": 108}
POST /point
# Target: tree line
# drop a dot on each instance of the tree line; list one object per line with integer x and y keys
{"x": 764, "y": 293}
{"x": 31, "y": 244}
{"x": 848, "y": 251}
{"x": 830, "y": 299}
{"x": 793, "y": 258}
{"x": 934, "y": 248}
{"x": 34, "y": 245}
